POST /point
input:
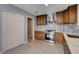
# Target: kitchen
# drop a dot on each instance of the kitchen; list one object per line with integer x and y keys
{"x": 61, "y": 23}
{"x": 52, "y": 28}
{"x": 47, "y": 29}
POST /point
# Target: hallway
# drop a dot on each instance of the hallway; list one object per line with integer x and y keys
{"x": 37, "y": 47}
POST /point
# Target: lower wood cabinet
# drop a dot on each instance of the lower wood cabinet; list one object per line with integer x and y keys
{"x": 58, "y": 37}
{"x": 39, "y": 35}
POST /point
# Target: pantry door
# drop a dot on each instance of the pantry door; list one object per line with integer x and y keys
{"x": 19, "y": 29}
{"x": 8, "y": 30}
{"x": 12, "y": 30}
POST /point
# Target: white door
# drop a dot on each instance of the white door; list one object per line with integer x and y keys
{"x": 12, "y": 30}
{"x": 8, "y": 30}
{"x": 19, "y": 30}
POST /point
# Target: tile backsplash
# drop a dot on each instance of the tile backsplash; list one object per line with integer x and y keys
{"x": 69, "y": 28}
{"x": 63, "y": 27}
{"x": 51, "y": 26}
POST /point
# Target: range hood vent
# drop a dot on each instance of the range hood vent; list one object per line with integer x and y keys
{"x": 50, "y": 18}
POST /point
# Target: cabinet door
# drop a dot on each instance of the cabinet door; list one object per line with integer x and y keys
{"x": 42, "y": 35}
{"x": 39, "y": 35}
{"x": 38, "y": 18}
{"x": 59, "y": 17}
{"x": 41, "y": 20}
{"x": 66, "y": 17}
{"x": 19, "y": 30}
{"x": 58, "y": 37}
{"x": 8, "y": 32}
{"x": 73, "y": 14}
{"x": 36, "y": 34}
{"x": 13, "y": 30}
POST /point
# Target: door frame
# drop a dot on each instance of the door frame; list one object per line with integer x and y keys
{"x": 26, "y": 28}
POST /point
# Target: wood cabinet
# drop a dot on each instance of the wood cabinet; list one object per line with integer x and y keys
{"x": 66, "y": 48}
{"x": 73, "y": 14}
{"x": 60, "y": 17}
{"x": 41, "y": 19}
{"x": 39, "y": 35}
{"x": 66, "y": 17}
{"x": 58, "y": 38}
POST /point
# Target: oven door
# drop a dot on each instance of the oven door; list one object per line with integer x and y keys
{"x": 49, "y": 35}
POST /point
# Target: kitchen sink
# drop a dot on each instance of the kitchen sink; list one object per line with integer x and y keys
{"x": 73, "y": 36}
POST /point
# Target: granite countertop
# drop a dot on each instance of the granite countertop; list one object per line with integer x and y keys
{"x": 73, "y": 44}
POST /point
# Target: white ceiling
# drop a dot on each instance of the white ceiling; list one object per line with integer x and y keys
{"x": 39, "y": 9}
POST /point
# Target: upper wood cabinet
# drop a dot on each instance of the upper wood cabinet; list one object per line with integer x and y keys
{"x": 41, "y": 20}
{"x": 73, "y": 14}
{"x": 66, "y": 17}
{"x": 60, "y": 17}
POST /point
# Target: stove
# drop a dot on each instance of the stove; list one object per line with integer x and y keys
{"x": 49, "y": 35}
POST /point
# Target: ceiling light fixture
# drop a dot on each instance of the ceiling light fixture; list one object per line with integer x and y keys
{"x": 46, "y": 4}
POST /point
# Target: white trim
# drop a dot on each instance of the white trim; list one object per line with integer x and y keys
{"x": 11, "y": 48}
{"x": 27, "y": 27}
{"x": 33, "y": 30}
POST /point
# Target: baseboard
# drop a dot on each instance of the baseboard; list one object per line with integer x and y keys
{"x": 12, "y": 48}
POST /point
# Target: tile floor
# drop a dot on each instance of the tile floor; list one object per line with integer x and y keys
{"x": 37, "y": 47}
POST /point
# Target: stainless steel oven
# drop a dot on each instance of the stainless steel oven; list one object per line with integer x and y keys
{"x": 49, "y": 36}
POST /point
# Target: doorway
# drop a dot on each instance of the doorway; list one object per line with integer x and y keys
{"x": 30, "y": 29}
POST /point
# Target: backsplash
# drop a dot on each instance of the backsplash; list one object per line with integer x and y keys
{"x": 63, "y": 27}
{"x": 70, "y": 28}
{"x": 40, "y": 27}
{"x": 60, "y": 27}
{"x": 51, "y": 26}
